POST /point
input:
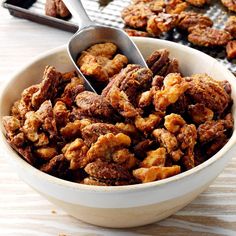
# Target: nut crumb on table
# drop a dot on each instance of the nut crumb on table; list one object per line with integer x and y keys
{"x": 144, "y": 126}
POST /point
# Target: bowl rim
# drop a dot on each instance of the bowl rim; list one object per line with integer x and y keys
{"x": 125, "y": 188}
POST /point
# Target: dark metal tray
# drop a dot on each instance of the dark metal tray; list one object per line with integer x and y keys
{"x": 108, "y": 12}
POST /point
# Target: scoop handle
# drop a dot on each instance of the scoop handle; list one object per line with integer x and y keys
{"x": 77, "y": 10}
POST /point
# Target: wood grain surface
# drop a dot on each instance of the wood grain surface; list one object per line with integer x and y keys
{"x": 23, "y": 212}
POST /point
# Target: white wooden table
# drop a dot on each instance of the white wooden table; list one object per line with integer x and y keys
{"x": 23, "y": 212}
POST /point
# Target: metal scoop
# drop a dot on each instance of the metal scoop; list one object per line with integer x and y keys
{"x": 90, "y": 33}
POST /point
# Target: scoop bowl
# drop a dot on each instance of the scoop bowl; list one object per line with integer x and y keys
{"x": 120, "y": 206}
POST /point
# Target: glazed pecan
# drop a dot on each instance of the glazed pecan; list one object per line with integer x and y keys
{"x": 47, "y": 88}
{"x": 230, "y": 26}
{"x": 174, "y": 87}
{"x": 231, "y": 49}
{"x": 187, "y": 137}
{"x": 155, "y": 173}
{"x": 92, "y": 132}
{"x": 57, "y": 166}
{"x": 25, "y": 103}
{"x": 60, "y": 113}
{"x": 160, "y": 23}
{"x": 94, "y": 105}
{"x": 197, "y": 3}
{"x": 175, "y": 6}
{"x": 128, "y": 129}
{"x": 11, "y": 125}
{"x": 160, "y": 64}
{"x": 189, "y": 19}
{"x": 212, "y": 129}
{"x": 230, "y": 4}
{"x": 132, "y": 80}
{"x": 199, "y": 113}
{"x": 141, "y": 148}
{"x": 136, "y": 33}
{"x": 120, "y": 102}
{"x": 136, "y": 15}
{"x": 203, "y": 89}
{"x": 104, "y": 170}
{"x": 71, "y": 90}
{"x": 72, "y": 129}
{"x": 56, "y": 8}
{"x": 208, "y": 37}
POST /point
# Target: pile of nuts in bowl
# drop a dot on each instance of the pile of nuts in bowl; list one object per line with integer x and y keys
{"x": 146, "y": 125}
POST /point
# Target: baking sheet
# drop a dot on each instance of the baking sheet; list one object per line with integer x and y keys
{"x": 107, "y": 12}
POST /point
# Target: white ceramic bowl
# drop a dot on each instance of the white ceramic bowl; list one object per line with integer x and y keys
{"x": 120, "y": 206}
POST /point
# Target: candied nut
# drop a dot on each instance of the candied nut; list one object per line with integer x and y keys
{"x": 124, "y": 158}
{"x": 230, "y": 26}
{"x": 46, "y": 153}
{"x": 214, "y": 146}
{"x": 180, "y": 106}
{"x": 199, "y": 113}
{"x": 100, "y": 61}
{"x": 120, "y": 102}
{"x": 155, "y": 158}
{"x": 136, "y": 16}
{"x": 42, "y": 140}
{"x": 31, "y": 126}
{"x": 175, "y": 6}
{"x": 71, "y": 130}
{"x": 26, "y": 153}
{"x": 230, "y": 4}
{"x": 147, "y": 124}
{"x": 106, "y": 145}
{"x": 168, "y": 141}
{"x": 197, "y": 3}
{"x": 157, "y": 82}
{"x": 11, "y": 125}
{"x": 231, "y": 49}
{"x": 95, "y": 105}
{"x": 60, "y": 113}
{"x": 145, "y": 99}
{"x": 208, "y": 37}
{"x": 45, "y": 114}
{"x": 75, "y": 152}
{"x": 67, "y": 76}
{"x": 132, "y": 80}
{"x": 212, "y": 129}
{"x": 128, "y": 129}
{"x": 142, "y": 147}
{"x": 57, "y": 166}
{"x": 25, "y": 103}
{"x": 71, "y": 90}
{"x": 92, "y": 132}
{"x": 136, "y": 33}
{"x": 174, "y": 122}
{"x": 104, "y": 170}
{"x": 187, "y": 136}
{"x": 47, "y": 88}
{"x": 174, "y": 87}
{"x": 155, "y": 173}
{"x": 203, "y": 89}
{"x": 15, "y": 110}
{"x": 56, "y": 8}
{"x": 18, "y": 140}
{"x": 92, "y": 181}
{"x": 189, "y": 19}
{"x": 160, "y": 23}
